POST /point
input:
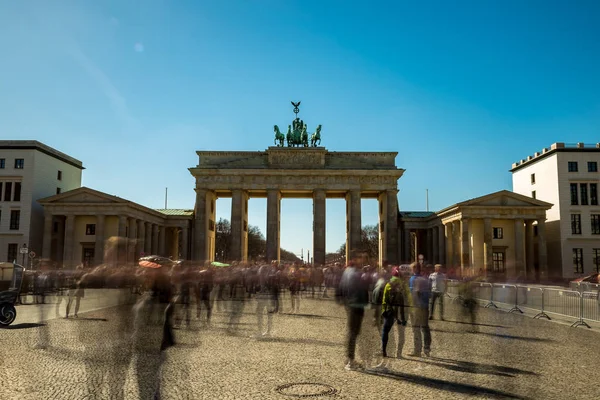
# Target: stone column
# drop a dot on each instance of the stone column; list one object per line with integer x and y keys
{"x": 542, "y": 251}
{"x": 391, "y": 227}
{"x": 141, "y": 238}
{"x": 441, "y": 244}
{"x": 131, "y": 242}
{"x": 155, "y": 239}
{"x": 273, "y": 224}
{"x": 121, "y": 244}
{"x": 448, "y": 236}
{"x": 519, "y": 248}
{"x": 319, "y": 210}
{"x": 353, "y": 222}
{"x": 529, "y": 256}
{"x": 465, "y": 248}
{"x": 148, "y": 238}
{"x": 436, "y": 245}
{"x": 488, "y": 255}
{"x": 47, "y": 240}
{"x": 428, "y": 245}
{"x": 68, "y": 261}
{"x": 456, "y": 243}
{"x": 184, "y": 243}
{"x": 99, "y": 245}
{"x": 407, "y": 258}
{"x": 162, "y": 240}
{"x": 239, "y": 225}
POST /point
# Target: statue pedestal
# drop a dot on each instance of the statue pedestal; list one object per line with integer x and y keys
{"x": 296, "y": 157}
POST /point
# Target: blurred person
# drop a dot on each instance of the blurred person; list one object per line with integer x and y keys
{"x": 353, "y": 293}
{"x": 419, "y": 287}
{"x": 43, "y": 339}
{"x": 263, "y": 301}
{"x": 393, "y": 304}
{"x": 438, "y": 288}
{"x": 295, "y": 287}
{"x": 203, "y": 289}
{"x": 377, "y": 300}
{"x": 76, "y": 292}
{"x": 237, "y": 301}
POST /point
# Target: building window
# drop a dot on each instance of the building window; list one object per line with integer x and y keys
{"x": 574, "y": 200}
{"x": 592, "y": 166}
{"x": 578, "y": 261}
{"x": 87, "y": 257}
{"x": 55, "y": 227}
{"x": 533, "y": 179}
{"x": 90, "y": 229}
{"x": 59, "y": 176}
{"x": 593, "y": 194}
{"x": 498, "y": 261}
{"x": 597, "y": 259}
{"x": 15, "y": 219}
{"x": 11, "y": 254}
{"x": 498, "y": 233}
{"x": 535, "y": 230}
{"x": 7, "y": 191}
{"x": 58, "y": 190}
{"x": 533, "y": 194}
{"x": 576, "y": 224}
{"x": 572, "y": 166}
{"x": 2, "y": 163}
{"x": 17, "y": 196}
{"x": 584, "y": 196}
{"x": 19, "y": 163}
{"x": 595, "y": 218}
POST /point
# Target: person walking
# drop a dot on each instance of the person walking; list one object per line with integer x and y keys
{"x": 392, "y": 305}
{"x": 419, "y": 287}
{"x": 353, "y": 293}
{"x": 438, "y": 289}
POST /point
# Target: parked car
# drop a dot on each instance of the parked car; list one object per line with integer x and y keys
{"x": 594, "y": 278}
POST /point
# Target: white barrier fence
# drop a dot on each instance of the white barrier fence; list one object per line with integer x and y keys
{"x": 580, "y": 305}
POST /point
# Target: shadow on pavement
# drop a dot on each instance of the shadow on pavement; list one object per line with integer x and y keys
{"x": 87, "y": 319}
{"x": 499, "y": 335}
{"x": 307, "y": 316}
{"x": 469, "y": 323}
{"x": 24, "y": 326}
{"x": 301, "y": 341}
{"x": 475, "y": 368}
{"x": 445, "y": 385}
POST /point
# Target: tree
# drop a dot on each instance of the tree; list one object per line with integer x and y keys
{"x": 369, "y": 243}
{"x": 222, "y": 240}
{"x": 257, "y": 244}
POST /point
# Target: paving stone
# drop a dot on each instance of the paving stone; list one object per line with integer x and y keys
{"x": 511, "y": 356}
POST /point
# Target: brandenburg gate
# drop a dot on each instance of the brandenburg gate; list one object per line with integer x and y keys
{"x": 298, "y": 170}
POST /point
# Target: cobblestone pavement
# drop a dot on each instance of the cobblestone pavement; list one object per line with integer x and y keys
{"x": 510, "y": 356}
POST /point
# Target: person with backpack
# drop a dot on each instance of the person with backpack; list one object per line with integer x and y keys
{"x": 377, "y": 299}
{"x": 392, "y": 304}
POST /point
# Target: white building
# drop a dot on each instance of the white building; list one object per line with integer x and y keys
{"x": 566, "y": 176}
{"x": 30, "y": 170}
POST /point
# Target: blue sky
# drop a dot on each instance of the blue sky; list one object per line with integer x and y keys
{"x": 460, "y": 89}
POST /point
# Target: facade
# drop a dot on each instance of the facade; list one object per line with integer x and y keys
{"x": 566, "y": 176}
{"x": 78, "y": 224}
{"x": 30, "y": 170}
{"x": 297, "y": 172}
{"x": 493, "y": 233}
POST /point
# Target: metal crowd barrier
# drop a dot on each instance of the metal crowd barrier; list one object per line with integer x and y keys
{"x": 580, "y": 304}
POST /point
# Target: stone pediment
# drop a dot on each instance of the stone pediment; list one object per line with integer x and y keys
{"x": 504, "y": 198}
{"x": 82, "y": 195}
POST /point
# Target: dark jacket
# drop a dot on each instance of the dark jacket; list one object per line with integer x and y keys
{"x": 353, "y": 290}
